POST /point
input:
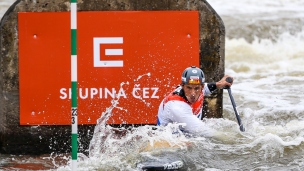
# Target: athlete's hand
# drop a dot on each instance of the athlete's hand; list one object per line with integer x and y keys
{"x": 223, "y": 83}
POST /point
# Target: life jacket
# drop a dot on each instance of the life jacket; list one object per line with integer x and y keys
{"x": 178, "y": 94}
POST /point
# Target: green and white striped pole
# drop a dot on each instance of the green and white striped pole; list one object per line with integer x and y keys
{"x": 74, "y": 83}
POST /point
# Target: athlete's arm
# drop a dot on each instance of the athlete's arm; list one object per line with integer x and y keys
{"x": 209, "y": 88}
{"x": 181, "y": 112}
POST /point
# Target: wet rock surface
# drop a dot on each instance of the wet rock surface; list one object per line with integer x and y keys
{"x": 44, "y": 139}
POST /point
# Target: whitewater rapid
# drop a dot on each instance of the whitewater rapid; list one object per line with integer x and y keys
{"x": 265, "y": 55}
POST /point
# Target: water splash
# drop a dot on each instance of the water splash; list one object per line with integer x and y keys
{"x": 106, "y": 136}
{"x": 101, "y": 130}
{"x": 138, "y": 92}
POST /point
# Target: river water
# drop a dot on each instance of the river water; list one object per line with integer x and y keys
{"x": 265, "y": 55}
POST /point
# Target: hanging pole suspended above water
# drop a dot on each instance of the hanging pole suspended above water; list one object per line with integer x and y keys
{"x": 74, "y": 108}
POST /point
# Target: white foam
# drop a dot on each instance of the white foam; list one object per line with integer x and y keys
{"x": 251, "y": 7}
{"x": 269, "y": 76}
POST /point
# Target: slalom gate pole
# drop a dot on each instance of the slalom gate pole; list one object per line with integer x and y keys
{"x": 74, "y": 83}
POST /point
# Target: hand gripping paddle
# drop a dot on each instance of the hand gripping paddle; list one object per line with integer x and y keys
{"x": 229, "y": 80}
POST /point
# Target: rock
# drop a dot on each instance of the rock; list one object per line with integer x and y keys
{"x": 16, "y": 139}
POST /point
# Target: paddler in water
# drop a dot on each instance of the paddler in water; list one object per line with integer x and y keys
{"x": 184, "y": 104}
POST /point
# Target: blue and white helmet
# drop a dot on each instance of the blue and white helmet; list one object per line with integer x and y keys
{"x": 193, "y": 75}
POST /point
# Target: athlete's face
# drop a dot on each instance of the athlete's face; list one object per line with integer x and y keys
{"x": 192, "y": 91}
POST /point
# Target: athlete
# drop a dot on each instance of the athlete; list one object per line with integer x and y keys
{"x": 184, "y": 104}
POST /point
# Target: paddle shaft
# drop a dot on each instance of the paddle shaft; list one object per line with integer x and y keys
{"x": 234, "y": 105}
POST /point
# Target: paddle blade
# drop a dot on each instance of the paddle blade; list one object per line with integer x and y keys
{"x": 242, "y": 128}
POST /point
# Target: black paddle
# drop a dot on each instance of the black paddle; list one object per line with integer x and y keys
{"x": 159, "y": 167}
{"x": 229, "y": 80}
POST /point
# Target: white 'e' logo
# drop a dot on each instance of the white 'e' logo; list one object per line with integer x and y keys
{"x": 110, "y": 52}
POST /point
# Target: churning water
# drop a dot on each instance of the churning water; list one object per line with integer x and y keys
{"x": 265, "y": 55}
